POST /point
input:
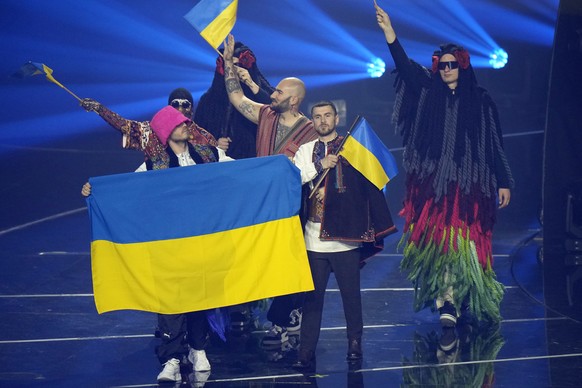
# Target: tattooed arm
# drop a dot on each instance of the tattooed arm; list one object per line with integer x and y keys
{"x": 243, "y": 104}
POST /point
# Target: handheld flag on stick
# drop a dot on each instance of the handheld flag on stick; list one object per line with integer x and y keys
{"x": 367, "y": 154}
{"x": 33, "y": 68}
{"x": 213, "y": 19}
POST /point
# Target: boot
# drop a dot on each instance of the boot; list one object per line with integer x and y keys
{"x": 354, "y": 350}
{"x": 305, "y": 360}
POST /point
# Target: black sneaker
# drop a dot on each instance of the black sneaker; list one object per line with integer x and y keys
{"x": 274, "y": 337}
{"x": 276, "y": 353}
{"x": 448, "y": 315}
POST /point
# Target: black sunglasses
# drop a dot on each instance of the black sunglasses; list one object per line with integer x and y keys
{"x": 179, "y": 102}
{"x": 451, "y": 64}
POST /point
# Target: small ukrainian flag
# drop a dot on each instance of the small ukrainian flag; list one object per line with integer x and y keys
{"x": 213, "y": 19}
{"x": 367, "y": 154}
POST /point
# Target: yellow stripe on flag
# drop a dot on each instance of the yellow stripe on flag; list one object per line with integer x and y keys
{"x": 204, "y": 272}
{"x": 218, "y": 29}
{"x": 365, "y": 162}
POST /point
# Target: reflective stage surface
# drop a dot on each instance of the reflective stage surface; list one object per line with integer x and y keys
{"x": 51, "y": 334}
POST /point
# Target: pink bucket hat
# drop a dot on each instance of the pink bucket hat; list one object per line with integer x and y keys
{"x": 165, "y": 121}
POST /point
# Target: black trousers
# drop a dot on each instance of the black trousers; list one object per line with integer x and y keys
{"x": 346, "y": 267}
{"x": 177, "y": 331}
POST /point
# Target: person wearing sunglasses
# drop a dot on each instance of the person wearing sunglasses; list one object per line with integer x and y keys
{"x": 181, "y": 335}
{"x": 457, "y": 177}
{"x": 139, "y": 135}
{"x": 170, "y": 139}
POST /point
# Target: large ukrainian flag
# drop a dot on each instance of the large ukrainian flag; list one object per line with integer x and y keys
{"x": 368, "y": 154}
{"x": 213, "y": 19}
{"x": 193, "y": 238}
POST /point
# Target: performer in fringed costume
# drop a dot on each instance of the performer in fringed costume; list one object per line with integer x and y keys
{"x": 456, "y": 169}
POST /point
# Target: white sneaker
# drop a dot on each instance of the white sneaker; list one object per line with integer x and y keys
{"x": 171, "y": 371}
{"x": 199, "y": 361}
{"x": 198, "y": 379}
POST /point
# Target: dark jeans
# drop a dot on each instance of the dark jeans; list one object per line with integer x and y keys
{"x": 177, "y": 331}
{"x": 346, "y": 267}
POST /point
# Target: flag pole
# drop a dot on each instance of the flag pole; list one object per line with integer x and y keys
{"x": 52, "y": 79}
{"x": 48, "y": 72}
{"x": 324, "y": 174}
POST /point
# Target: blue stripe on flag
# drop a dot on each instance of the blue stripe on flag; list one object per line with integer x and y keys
{"x": 205, "y": 12}
{"x": 164, "y": 204}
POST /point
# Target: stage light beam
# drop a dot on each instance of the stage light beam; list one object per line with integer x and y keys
{"x": 498, "y": 58}
{"x": 376, "y": 68}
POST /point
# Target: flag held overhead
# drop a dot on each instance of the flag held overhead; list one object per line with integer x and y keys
{"x": 213, "y": 19}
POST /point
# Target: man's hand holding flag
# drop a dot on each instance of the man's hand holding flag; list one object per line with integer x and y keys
{"x": 367, "y": 154}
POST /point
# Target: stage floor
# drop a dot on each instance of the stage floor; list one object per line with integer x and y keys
{"x": 51, "y": 334}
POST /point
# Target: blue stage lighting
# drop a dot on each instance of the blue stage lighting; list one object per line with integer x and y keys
{"x": 498, "y": 58}
{"x": 376, "y": 68}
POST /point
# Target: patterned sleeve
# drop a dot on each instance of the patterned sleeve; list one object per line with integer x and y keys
{"x": 136, "y": 134}
{"x": 201, "y": 135}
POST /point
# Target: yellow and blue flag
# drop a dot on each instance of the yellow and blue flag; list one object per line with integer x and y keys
{"x": 368, "y": 154}
{"x": 34, "y": 68}
{"x": 213, "y": 19}
{"x": 30, "y": 69}
{"x": 200, "y": 237}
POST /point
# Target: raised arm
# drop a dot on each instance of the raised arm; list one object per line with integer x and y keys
{"x": 406, "y": 69}
{"x": 385, "y": 24}
{"x": 243, "y": 104}
{"x": 132, "y": 130}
